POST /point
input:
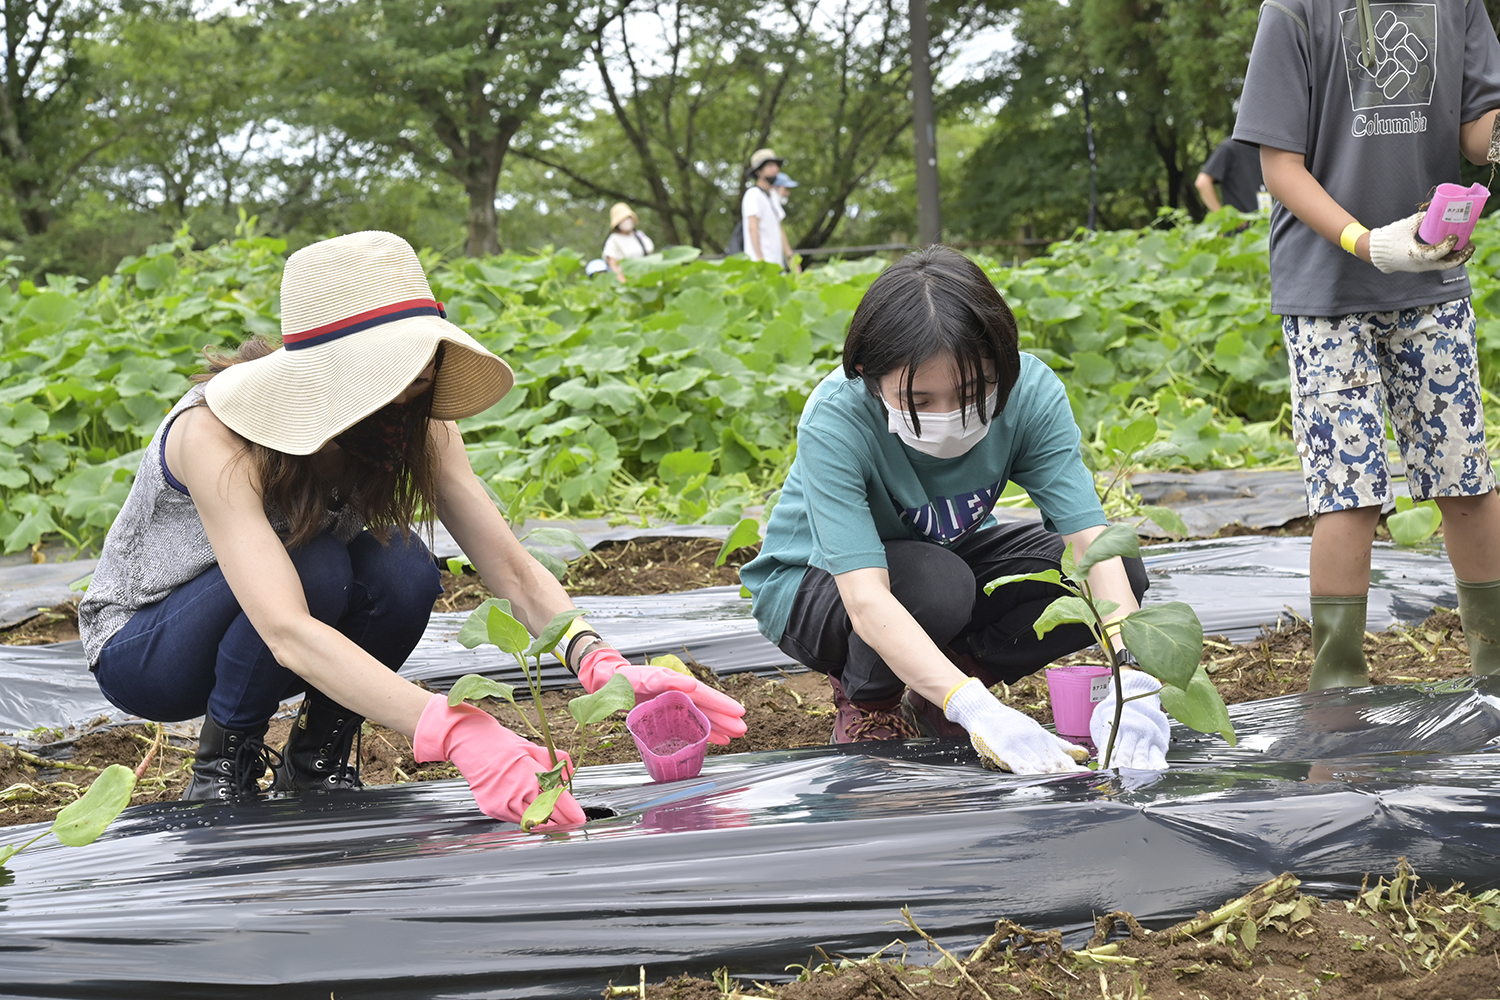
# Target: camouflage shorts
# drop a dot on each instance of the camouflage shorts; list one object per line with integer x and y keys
{"x": 1420, "y": 366}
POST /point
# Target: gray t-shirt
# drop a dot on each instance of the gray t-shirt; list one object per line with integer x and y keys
{"x": 1378, "y": 139}
{"x": 1236, "y": 167}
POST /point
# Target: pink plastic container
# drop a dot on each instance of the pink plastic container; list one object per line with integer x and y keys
{"x": 1454, "y": 209}
{"x": 671, "y": 734}
{"x": 1074, "y": 692}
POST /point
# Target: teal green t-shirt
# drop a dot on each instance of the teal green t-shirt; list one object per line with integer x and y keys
{"x": 855, "y": 486}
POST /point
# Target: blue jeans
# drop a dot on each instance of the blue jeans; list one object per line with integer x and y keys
{"x": 195, "y": 651}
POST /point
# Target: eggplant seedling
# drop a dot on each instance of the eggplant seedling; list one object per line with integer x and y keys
{"x": 492, "y": 623}
{"x": 80, "y": 823}
{"x": 1165, "y": 639}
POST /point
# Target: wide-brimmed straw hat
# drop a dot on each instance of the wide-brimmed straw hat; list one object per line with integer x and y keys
{"x": 619, "y": 213}
{"x": 761, "y": 157}
{"x": 358, "y": 325}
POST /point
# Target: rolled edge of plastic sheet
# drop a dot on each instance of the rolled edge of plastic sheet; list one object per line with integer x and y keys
{"x": 407, "y": 891}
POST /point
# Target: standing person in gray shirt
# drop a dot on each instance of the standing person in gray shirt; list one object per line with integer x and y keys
{"x": 1359, "y": 110}
{"x": 1235, "y": 167}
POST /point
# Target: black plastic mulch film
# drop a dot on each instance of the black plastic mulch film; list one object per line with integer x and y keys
{"x": 408, "y": 892}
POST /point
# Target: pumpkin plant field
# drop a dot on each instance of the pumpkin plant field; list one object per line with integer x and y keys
{"x": 675, "y": 395}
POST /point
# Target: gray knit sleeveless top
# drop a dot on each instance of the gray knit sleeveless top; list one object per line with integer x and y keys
{"x": 157, "y": 543}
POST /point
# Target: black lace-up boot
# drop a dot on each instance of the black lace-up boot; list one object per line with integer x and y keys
{"x": 316, "y": 755}
{"x": 229, "y": 763}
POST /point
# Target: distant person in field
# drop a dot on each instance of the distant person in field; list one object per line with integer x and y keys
{"x": 761, "y": 213}
{"x": 781, "y": 187}
{"x": 1359, "y": 111}
{"x": 267, "y": 547}
{"x": 625, "y": 239}
{"x": 875, "y": 558}
{"x": 1235, "y": 168}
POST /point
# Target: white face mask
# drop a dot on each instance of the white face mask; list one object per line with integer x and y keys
{"x": 784, "y": 198}
{"x": 944, "y": 435}
{"x": 626, "y": 226}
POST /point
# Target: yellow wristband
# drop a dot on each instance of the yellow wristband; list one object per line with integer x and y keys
{"x": 575, "y": 626}
{"x": 1351, "y": 234}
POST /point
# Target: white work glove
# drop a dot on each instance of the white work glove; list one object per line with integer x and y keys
{"x": 1144, "y": 727}
{"x": 1396, "y": 248}
{"x": 1007, "y": 738}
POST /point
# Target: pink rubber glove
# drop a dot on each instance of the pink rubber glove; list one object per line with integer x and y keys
{"x": 725, "y": 715}
{"x": 500, "y": 766}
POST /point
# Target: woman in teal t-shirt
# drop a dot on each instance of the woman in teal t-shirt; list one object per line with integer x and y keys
{"x": 875, "y": 557}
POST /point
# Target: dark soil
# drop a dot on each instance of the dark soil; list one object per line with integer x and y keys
{"x": 58, "y": 623}
{"x": 1392, "y": 943}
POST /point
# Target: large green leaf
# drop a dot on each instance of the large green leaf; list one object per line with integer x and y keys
{"x": 473, "y": 687}
{"x": 1115, "y": 540}
{"x": 475, "y": 630}
{"x": 615, "y": 696}
{"x": 556, "y": 538}
{"x": 747, "y": 532}
{"x": 1166, "y": 639}
{"x": 1045, "y": 576}
{"x": 507, "y": 633}
{"x": 1415, "y": 525}
{"x": 1067, "y": 610}
{"x": 1166, "y": 519}
{"x": 552, "y": 633}
{"x": 81, "y": 822}
{"x": 1199, "y": 707}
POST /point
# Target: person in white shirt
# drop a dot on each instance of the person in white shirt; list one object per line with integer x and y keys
{"x": 624, "y": 239}
{"x": 762, "y": 213}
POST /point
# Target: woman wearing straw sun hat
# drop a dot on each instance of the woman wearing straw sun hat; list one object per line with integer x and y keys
{"x": 625, "y": 239}
{"x": 265, "y": 548}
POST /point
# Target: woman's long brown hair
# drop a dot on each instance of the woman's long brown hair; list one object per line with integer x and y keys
{"x": 385, "y": 500}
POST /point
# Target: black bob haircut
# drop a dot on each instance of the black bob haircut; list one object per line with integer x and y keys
{"x": 935, "y": 302}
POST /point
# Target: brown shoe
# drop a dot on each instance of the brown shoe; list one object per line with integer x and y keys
{"x": 857, "y": 721}
{"x": 928, "y": 719}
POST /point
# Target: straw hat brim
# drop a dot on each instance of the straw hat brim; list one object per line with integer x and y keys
{"x": 295, "y": 402}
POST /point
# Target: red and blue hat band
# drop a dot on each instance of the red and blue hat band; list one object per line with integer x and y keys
{"x": 363, "y": 321}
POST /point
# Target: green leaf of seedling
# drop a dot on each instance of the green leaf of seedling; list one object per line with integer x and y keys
{"x": 1199, "y": 706}
{"x": 7, "y": 852}
{"x": 671, "y": 662}
{"x": 1115, "y": 540}
{"x": 1045, "y": 576}
{"x": 1167, "y": 641}
{"x": 540, "y": 809}
{"x": 1069, "y": 566}
{"x": 476, "y": 631}
{"x": 1134, "y": 436}
{"x": 547, "y": 641}
{"x": 548, "y": 780}
{"x": 457, "y": 566}
{"x": 1067, "y": 610}
{"x": 615, "y": 696}
{"x": 553, "y": 565}
{"x": 81, "y": 822}
{"x": 81, "y": 585}
{"x": 1166, "y": 519}
{"x": 1415, "y": 525}
{"x": 745, "y": 592}
{"x": 473, "y": 687}
{"x": 557, "y": 538}
{"x": 747, "y": 532}
{"x": 507, "y": 633}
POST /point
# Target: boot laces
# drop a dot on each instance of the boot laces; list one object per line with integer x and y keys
{"x": 880, "y": 724}
{"x": 252, "y": 759}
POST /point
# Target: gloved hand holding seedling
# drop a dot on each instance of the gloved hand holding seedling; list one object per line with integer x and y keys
{"x": 1166, "y": 641}
{"x": 512, "y": 778}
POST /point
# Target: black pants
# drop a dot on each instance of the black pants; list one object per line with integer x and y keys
{"x": 944, "y": 591}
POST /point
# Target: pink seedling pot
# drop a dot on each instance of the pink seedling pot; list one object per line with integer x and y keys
{"x": 1454, "y": 210}
{"x": 1074, "y": 692}
{"x": 671, "y": 734}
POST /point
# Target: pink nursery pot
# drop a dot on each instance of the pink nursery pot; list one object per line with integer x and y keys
{"x": 1074, "y": 692}
{"x": 1454, "y": 211}
{"x": 671, "y": 734}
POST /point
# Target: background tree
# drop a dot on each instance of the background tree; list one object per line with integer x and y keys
{"x": 46, "y": 133}
{"x": 447, "y": 84}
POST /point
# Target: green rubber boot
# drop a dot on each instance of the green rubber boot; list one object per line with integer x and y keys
{"x": 1338, "y": 642}
{"x": 1479, "y": 610}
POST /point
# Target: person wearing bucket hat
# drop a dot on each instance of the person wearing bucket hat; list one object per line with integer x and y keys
{"x": 266, "y": 547}
{"x": 625, "y": 239}
{"x": 761, "y": 213}
{"x": 875, "y": 558}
